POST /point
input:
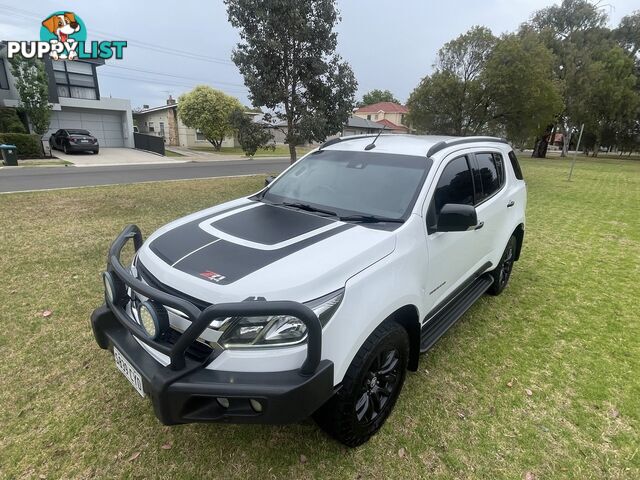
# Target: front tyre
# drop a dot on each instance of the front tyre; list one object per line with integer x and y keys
{"x": 370, "y": 387}
{"x": 502, "y": 272}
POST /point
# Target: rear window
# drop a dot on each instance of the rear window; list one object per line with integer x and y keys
{"x": 78, "y": 132}
{"x": 490, "y": 175}
{"x": 515, "y": 165}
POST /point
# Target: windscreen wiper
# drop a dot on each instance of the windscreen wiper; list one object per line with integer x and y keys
{"x": 306, "y": 207}
{"x": 370, "y": 219}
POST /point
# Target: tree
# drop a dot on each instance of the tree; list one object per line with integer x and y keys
{"x": 628, "y": 33}
{"x": 519, "y": 80}
{"x": 610, "y": 100}
{"x": 32, "y": 86}
{"x": 288, "y": 60}
{"x": 251, "y": 135}
{"x": 377, "y": 96}
{"x": 208, "y": 110}
{"x": 453, "y": 99}
{"x": 571, "y": 30}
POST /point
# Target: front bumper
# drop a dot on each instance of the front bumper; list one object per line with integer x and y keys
{"x": 185, "y": 391}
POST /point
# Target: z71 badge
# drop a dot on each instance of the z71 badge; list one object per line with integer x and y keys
{"x": 213, "y": 276}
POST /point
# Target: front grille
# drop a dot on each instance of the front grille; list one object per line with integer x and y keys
{"x": 150, "y": 280}
{"x": 197, "y": 350}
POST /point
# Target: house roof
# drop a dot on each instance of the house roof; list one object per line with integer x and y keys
{"x": 153, "y": 109}
{"x": 392, "y": 126}
{"x": 358, "y": 122}
{"x": 386, "y": 107}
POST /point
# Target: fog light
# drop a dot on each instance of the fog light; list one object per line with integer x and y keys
{"x": 154, "y": 319}
{"x": 109, "y": 287}
{"x": 224, "y": 402}
{"x": 256, "y": 405}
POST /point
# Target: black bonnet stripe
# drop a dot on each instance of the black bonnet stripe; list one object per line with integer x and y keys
{"x": 224, "y": 262}
{"x": 180, "y": 241}
{"x": 269, "y": 225}
{"x": 203, "y": 255}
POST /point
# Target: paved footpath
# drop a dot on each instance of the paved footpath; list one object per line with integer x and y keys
{"x": 21, "y": 179}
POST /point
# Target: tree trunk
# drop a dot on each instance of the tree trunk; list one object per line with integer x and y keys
{"x": 292, "y": 153}
{"x": 540, "y": 148}
{"x": 542, "y": 143}
{"x": 566, "y": 138}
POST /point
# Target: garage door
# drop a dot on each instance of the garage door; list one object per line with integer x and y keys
{"x": 105, "y": 125}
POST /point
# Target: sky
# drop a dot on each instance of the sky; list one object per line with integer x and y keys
{"x": 173, "y": 46}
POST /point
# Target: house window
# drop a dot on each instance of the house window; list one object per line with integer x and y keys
{"x": 368, "y": 117}
{"x": 4, "y": 81}
{"x": 75, "y": 80}
{"x": 152, "y": 127}
{"x": 200, "y": 136}
{"x": 162, "y": 129}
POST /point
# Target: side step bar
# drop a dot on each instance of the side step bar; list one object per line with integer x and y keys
{"x": 444, "y": 318}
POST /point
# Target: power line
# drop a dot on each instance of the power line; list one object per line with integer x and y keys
{"x": 137, "y": 69}
{"x": 162, "y": 82}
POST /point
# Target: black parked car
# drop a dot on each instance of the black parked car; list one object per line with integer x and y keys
{"x": 74, "y": 140}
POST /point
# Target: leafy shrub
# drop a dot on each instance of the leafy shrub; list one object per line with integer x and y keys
{"x": 10, "y": 121}
{"x": 28, "y": 145}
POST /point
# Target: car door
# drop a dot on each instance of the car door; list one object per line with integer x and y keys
{"x": 453, "y": 256}
{"x": 60, "y": 138}
{"x": 492, "y": 201}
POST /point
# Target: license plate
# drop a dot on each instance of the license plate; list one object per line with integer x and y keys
{"x": 128, "y": 371}
{"x": 84, "y": 141}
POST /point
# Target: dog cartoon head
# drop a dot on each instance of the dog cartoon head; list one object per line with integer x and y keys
{"x": 62, "y": 25}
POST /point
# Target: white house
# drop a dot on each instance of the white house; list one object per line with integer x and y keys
{"x": 74, "y": 93}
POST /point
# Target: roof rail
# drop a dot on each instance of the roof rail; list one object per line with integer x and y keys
{"x": 459, "y": 141}
{"x": 333, "y": 141}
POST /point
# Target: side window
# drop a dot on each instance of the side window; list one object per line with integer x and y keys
{"x": 515, "y": 165}
{"x": 455, "y": 185}
{"x": 489, "y": 175}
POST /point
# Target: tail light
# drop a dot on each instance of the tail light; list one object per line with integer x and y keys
{"x": 72, "y": 140}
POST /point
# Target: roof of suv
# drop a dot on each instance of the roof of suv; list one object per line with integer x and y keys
{"x": 420, "y": 145}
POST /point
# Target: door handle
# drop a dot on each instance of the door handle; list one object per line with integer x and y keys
{"x": 479, "y": 226}
{"x": 511, "y": 203}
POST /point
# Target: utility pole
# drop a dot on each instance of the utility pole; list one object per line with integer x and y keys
{"x": 575, "y": 153}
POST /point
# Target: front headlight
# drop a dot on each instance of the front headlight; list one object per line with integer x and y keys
{"x": 276, "y": 330}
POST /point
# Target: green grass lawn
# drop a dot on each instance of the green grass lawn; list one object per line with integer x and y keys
{"x": 280, "y": 151}
{"x": 543, "y": 379}
{"x": 171, "y": 153}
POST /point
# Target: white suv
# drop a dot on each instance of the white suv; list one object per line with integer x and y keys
{"x": 315, "y": 295}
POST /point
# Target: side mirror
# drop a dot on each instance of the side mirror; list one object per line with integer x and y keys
{"x": 268, "y": 180}
{"x": 456, "y": 217}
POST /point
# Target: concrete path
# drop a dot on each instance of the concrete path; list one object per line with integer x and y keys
{"x": 205, "y": 156}
{"x": 116, "y": 156}
{"x": 18, "y": 179}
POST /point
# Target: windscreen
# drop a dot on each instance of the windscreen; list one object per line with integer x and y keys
{"x": 353, "y": 183}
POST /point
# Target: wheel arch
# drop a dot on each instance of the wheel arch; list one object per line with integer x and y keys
{"x": 519, "y": 234}
{"x": 407, "y": 316}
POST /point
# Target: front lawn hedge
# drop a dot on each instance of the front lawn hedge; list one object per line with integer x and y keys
{"x": 28, "y": 145}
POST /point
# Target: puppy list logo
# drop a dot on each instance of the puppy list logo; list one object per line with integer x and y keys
{"x": 63, "y": 36}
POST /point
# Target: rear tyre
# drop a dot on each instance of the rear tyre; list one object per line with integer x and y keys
{"x": 65, "y": 148}
{"x": 96, "y": 151}
{"x": 370, "y": 387}
{"x": 502, "y": 272}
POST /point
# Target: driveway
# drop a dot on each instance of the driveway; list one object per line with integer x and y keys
{"x": 115, "y": 156}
